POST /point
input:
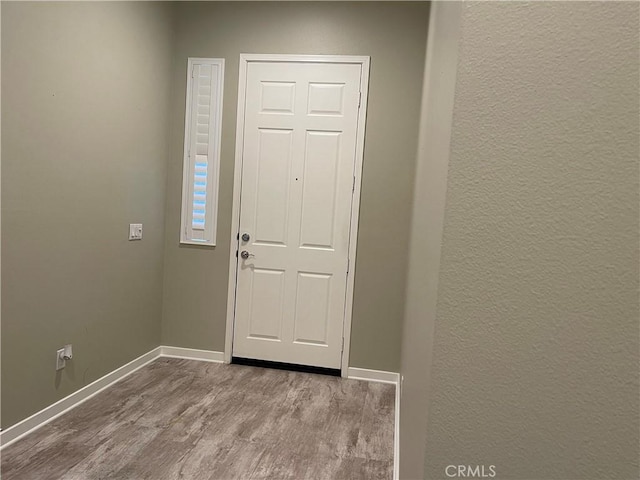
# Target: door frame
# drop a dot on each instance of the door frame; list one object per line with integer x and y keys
{"x": 245, "y": 59}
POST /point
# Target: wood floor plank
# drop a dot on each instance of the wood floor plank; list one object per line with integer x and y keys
{"x": 184, "y": 419}
{"x": 121, "y": 448}
{"x": 376, "y": 428}
{"x": 48, "y": 463}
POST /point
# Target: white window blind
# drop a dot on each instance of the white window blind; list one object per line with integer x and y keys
{"x": 202, "y": 133}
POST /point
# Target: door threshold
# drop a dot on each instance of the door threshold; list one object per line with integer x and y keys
{"x": 251, "y": 362}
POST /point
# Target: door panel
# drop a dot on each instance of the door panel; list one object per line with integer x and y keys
{"x": 271, "y": 186}
{"x": 312, "y": 312}
{"x": 277, "y": 97}
{"x": 326, "y": 99}
{"x": 319, "y": 188}
{"x": 267, "y": 298}
{"x": 299, "y": 144}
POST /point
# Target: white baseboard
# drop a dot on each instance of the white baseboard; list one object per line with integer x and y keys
{"x": 396, "y": 432}
{"x": 373, "y": 375}
{"x": 192, "y": 354}
{"x": 46, "y": 415}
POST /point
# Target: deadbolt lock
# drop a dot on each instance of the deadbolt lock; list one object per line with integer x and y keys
{"x": 245, "y": 237}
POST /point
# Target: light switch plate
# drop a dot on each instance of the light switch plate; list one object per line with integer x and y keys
{"x": 135, "y": 231}
{"x": 60, "y": 362}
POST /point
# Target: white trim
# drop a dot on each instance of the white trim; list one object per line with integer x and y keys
{"x": 396, "y": 432}
{"x": 355, "y": 212}
{"x": 215, "y": 137}
{"x": 373, "y": 375}
{"x": 192, "y": 354}
{"x": 46, "y": 415}
{"x": 269, "y": 57}
{"x": 245, "y": 58}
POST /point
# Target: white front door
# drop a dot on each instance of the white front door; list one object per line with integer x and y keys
{"x": 298, "y": 157}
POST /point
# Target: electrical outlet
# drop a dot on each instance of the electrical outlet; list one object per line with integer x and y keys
{"x": 135, "y": 231}
{"x": 60, "y": 361}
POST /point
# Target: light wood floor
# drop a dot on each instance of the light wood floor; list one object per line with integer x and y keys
{"x": 183, "y": 419}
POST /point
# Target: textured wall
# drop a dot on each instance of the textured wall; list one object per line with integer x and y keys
{"x": 535, "y": 363}
{"x": 85, "y": 97}
{"x": 394, "y": 35}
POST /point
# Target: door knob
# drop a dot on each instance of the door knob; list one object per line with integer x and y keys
{"x": 245, "y": 237}
{"x": 244, "y": 254}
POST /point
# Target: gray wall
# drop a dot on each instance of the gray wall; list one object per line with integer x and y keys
{"x": 535, "y": 356}
{"x": 426, "y": 232}
{"x": 394, "y": 35}
{"x": 85, "y": 98}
